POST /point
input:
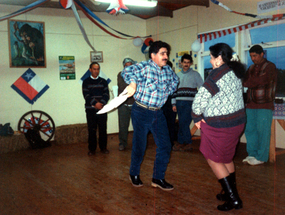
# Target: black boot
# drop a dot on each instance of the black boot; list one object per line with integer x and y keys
{"x": 233, "y": 200}
{"x": 222, "y": 196}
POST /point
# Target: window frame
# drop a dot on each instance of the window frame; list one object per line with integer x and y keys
{"x": 247, "y": 43}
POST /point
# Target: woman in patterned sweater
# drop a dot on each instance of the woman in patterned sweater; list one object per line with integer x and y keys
{"x": 218, "y": 110}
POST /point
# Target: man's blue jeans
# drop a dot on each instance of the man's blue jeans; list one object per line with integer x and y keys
{"x": 154, "y": 121}
{"x": 184, "y": 109}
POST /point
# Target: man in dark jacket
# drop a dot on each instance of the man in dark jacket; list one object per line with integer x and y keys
{"x": 260, "y": 80}
{"x": 96, "y": 94}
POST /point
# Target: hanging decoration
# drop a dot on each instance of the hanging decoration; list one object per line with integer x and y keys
{"x": 216, "y": 34}
{"x": 24, "y": 10}
{"x": 249, "y": 14}
{"x": 137, "y": 41}
{"x": 196, "y": 46}
{"x": 65, "y": 3}
{"x": 88, "y": 13}
{"x": 146, "y": 44}
{"x": 117, "y": 7}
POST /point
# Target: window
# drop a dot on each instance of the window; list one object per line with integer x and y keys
{"x": 273, "y": 44}
{"x": 261, "y": 35}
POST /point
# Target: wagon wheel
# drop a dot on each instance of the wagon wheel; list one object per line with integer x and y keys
{"x": 38, "y": 121}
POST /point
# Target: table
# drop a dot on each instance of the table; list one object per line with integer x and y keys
{"x": 278, "y": 117}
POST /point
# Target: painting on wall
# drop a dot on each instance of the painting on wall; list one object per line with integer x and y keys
{"x": 26, "y": 44}
{"x": 96, "y": 57}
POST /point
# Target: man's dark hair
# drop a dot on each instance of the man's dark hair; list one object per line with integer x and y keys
{"x": 93, "y": 64}
{"x": 188, "y": 57}
{"x": 256, "y": 49}
{"x": 155, "y": 46}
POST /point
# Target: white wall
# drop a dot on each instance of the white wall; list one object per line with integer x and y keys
{"x": 63, "y": 101}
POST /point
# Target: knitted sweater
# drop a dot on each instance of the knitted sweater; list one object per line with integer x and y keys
{"x": 189, "y": 81}
{"x": 95, "y": 90}
{"x": 220, "y": 101}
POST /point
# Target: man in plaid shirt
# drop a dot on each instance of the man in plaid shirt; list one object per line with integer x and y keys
{"x": 150, "y": 83}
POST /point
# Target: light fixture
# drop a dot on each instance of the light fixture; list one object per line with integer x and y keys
{"x": 139, "y": 3}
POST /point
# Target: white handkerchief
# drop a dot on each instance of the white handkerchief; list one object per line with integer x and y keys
{"x": 114, "y": 103}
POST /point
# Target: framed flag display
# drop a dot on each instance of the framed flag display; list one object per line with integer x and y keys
{"x": 30, "y": 86}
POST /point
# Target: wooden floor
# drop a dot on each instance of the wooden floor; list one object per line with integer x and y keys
{"x": 62, "y": 179}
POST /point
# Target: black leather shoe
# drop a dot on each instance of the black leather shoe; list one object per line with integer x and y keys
{"x": 105, "y": 151}
{"x": 136, "y": 181}
{"x": 162, "y": 184}
{"x": 91, "y": 153}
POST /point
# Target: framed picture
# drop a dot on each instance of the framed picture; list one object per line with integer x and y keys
{"x": 96, "y": 57}
{"x": 26, "y": 44}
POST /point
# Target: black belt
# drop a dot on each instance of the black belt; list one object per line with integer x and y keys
{"x": 147, "y": 107}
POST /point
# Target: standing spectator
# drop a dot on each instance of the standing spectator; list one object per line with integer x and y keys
{"x": 261, "y": 79}
{"x": 151, "y": 82}
{"x": 218, "y": 109}
{"x": 96, "y": 94}
{"x": 189, "y": 82}
{"x": 124, "y": 110}
{"x": 170, "y": 115}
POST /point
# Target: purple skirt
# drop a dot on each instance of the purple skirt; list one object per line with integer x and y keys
{"x": 219, "y": 144}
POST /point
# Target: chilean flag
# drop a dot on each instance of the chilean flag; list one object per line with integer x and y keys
{"x": 30, "y": 86}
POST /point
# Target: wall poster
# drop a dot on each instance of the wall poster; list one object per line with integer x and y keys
{"x": 66, "y": 67}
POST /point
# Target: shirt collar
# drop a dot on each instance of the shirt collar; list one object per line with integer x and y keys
{"x": 94, "y": 78}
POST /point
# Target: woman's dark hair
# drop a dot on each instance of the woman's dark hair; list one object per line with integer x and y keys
{"x": 226, "y": 53}
{"x": 155, "y": 46}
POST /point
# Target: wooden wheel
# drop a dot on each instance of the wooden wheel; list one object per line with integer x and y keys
{"x": 38, "y": 121}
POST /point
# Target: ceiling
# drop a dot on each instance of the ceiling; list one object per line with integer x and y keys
{"x": 163, "y": 8}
